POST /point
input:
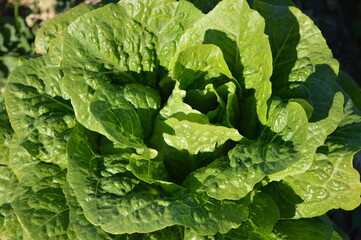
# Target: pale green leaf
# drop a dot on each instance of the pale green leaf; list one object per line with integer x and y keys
{"x": 55, "y": 25}
{"x": 246, "y": 51}
{"x": 187, "y": 145}
{"x": 332, "y": 182}
{"x": 303, "y": 65}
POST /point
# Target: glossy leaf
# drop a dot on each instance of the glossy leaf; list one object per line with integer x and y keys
{"x": 141, "y": 207}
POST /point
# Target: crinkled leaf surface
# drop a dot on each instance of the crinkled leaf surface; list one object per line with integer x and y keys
{"x": 39, "y": 201}
{"x": 313, "y": 228}
{"x": 55, "y": 25}
{"x": 156, "y": 119}
{"x": 187, "y": 145}
{"x": 303, "y": 65}
{"x": 8, "y": 184}
{"x": 85, "y": 230}
{"x": 10, "y": 228}
{"x": 168, "y": 20}
{"x": 37, "y": 111}
{"x": 246, "y": 51}
{"x": 132, "y": 56}
{"x": 263, "y": 216}
{"x": 126, "y": 114}
{"x": 140, "y": 207}
{"x": 332, "y": 180}
{"x": 282, "y": 144}
{"x": 6, "y": 132}
{"x": 148, "y": 165}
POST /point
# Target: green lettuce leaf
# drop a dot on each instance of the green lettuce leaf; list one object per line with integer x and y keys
{"x": 167, "y": 119}
{"x": 186, "y": 139}
{"x": 313, "y": 228}
{"x": 6, "y": 132}
{"x": 85, "y": 230}
{"x": 331, "y": 181}
{"x": 259, "y": 225}
{"x": 249, "y": 63}
{"x": 55, "y": 25}
{"x": 126, "y": 114}
{"x": 38, "y": 201}
{"x": 37, "y": 110}
{"x": 202, "y": 71}
{"x": 137, "y": 206}
{"x": 303, "y": 65}
{"x": 10, "y": 227}
{"x": 136, "y": 55}
{"x": 350, "y": 87}
{"x": 282, "y": 144}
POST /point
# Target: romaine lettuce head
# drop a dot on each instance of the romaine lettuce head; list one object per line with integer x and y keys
{"x": 165, "y": 119}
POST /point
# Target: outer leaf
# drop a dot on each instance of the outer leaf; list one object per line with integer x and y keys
{"x": 126, "y": 114}
{"x": 350, "y": 87}
{"x": 37, "y": 111}
{"x": 168, "y": 20}
{"x": 6, "y": 132}
{"x": 264, "y": 215}
{"x": 142, "y": 207}
{"x": 281, "y": 145}
{"x": 85, "y": 230}
{"x": 39, "y": 202}
{"x": 10, "y": 228}
{"x": 132, "y": 54}
{"x": 8, "y": 184}
{"x": 55, "y": 25}
{"x": 259, "y": 226}
{"x": 332, "y": 182}
{"x": 82, "y": 227}
{"x": 249, "y": 60}
{"x": 285, "y": 198}
{"x": 316, "y": 228}
{"x": 303, "y": 65}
